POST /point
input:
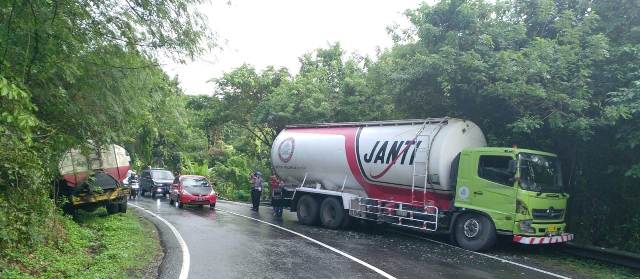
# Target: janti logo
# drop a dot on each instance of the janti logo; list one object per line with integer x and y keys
{"x": 386, "y": 154}
{"x": 285, "y": 149}
{"x": 389, "y": 153}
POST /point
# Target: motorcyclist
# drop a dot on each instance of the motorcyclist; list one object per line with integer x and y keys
{"x": 133, "y": 183}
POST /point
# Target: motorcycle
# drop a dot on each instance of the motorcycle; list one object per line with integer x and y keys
{"x": 135, "y": 188}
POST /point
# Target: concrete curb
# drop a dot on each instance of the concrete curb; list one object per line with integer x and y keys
{"x": 172, "y": 260}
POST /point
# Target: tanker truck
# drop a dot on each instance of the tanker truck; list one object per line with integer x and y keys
{"x": 434, "y": 175}
{"x": 91, "y": 177}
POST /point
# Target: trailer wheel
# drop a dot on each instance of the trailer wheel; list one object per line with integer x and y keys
{"x": 112, "y": 208}
{"x": 332, "y": 214}
{"x": 308, "y": 210}
{"x": 474, "y": 232}
{"x": 123, "y": 206}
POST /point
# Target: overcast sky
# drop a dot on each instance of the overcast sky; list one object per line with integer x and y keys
{"x": 277, "y": 32}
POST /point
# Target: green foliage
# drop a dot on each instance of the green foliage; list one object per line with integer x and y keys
{"x": 100, "y": 246}
{"x": 195, "y": 168}
{"x": 231, "y": 175}
{"x": 78, "y": 70}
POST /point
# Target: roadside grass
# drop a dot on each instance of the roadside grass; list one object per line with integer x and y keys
{"x": 552, "y": 258}
{"x": 586, "y": 268}
{"x": 97, "y": 246}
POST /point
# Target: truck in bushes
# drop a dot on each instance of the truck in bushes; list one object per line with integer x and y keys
{"x": 90, "y": 177}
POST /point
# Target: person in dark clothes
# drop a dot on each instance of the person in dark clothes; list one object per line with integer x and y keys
{"x": 276, "y": 195}
{"x": 256, "y": 189}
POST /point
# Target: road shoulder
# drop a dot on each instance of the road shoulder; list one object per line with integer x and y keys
{"x": 169, "y": 267}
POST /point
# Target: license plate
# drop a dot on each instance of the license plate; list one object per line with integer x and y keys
{"x": 199, "y": 199}
{"x": 552, "y": 229}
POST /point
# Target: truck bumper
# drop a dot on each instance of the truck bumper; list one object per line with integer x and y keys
{"x": 81, "y": 199}
{"x": 543, "y": 239}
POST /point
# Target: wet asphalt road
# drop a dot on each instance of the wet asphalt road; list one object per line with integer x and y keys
{"x": 224, "y": 245}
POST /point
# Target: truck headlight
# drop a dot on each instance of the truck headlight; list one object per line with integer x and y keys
{"x": 525, "y": 226}
{"x": 159, "y": 190}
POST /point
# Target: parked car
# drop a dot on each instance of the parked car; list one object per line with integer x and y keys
{"x": 193, "y": 190}
{"x": 156, "y": 181}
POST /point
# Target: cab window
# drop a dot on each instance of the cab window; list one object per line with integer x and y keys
{"x": 496, "y": 169}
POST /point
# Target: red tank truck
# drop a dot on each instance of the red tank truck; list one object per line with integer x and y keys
{"x": 91, "y": 178}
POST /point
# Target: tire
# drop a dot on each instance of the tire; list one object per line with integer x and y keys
{"x": 347, "y": 222}
{"x": 213, "y": 205}
{"x": 331, "y": 213}
{"x": 170, "y": 200}
{"x": 153, "y": 194}
{"x": 141, "y": 192}
{"x": 474, "y": 232}
{"x": 180, "y": 205}
{"x": 308, "y": 210}
{"x": 123, "y": 206}
{"x": 112, "y": 208}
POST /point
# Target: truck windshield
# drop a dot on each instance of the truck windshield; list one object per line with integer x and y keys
{"x": 540, "y": 173}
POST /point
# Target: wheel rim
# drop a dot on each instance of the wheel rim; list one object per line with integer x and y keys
{"x": 471, "y": 228}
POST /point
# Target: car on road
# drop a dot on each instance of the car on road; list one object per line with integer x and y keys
{"x": 192, "y": 190}
{"x": 156, "y": 181}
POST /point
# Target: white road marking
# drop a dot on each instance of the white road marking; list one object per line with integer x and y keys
{"x": 488, "y": 256}
{"x": 431, "y": 240}
{"x": 186, "y": 257}
{"x": 377, "y": 270}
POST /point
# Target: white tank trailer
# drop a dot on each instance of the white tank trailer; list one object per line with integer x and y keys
{"x": 373, "y": 158}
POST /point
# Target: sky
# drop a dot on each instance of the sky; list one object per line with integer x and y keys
{"x": 277, "y": 32}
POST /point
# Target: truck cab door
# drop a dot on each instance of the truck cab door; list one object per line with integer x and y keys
{"x": 487, "y": 185}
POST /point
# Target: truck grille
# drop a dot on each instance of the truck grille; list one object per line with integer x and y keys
{"x": 548, "y": 214}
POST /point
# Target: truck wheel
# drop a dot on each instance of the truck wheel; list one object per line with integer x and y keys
{"x": 112, "y": 208}
{"x": 331, "y": 213}
{"x": 123, "y": 206}
{"x": 153, "y": 194}
{"x": 474, "y": 232}
{"x": 347, "y": 221}
{"x": 307, "y": 210}
{"x": 69, "y": 209}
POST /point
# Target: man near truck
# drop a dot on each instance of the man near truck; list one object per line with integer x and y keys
{"x": 256, "y": 190}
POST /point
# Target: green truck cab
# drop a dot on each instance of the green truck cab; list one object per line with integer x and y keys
{"x": 510, "y": 191}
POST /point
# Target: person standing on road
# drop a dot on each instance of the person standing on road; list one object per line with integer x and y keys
{"x": 276, "y": 195}
{"x": 256, "y": 189}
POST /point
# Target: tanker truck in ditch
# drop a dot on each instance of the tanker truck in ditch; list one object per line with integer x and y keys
{"x": 91, "y": 177}
{"x": 434, "y": 175}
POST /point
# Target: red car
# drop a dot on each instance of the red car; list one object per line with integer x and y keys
{"x": 192, "y": 189}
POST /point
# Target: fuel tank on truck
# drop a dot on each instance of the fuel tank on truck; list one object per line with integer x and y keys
{"x": 374, "y": 159}
{"x": 79, "y": 163}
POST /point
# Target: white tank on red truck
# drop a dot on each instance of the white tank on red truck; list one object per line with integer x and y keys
{"x": 92, "y": 177}
{"x": 430, "y": 174}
